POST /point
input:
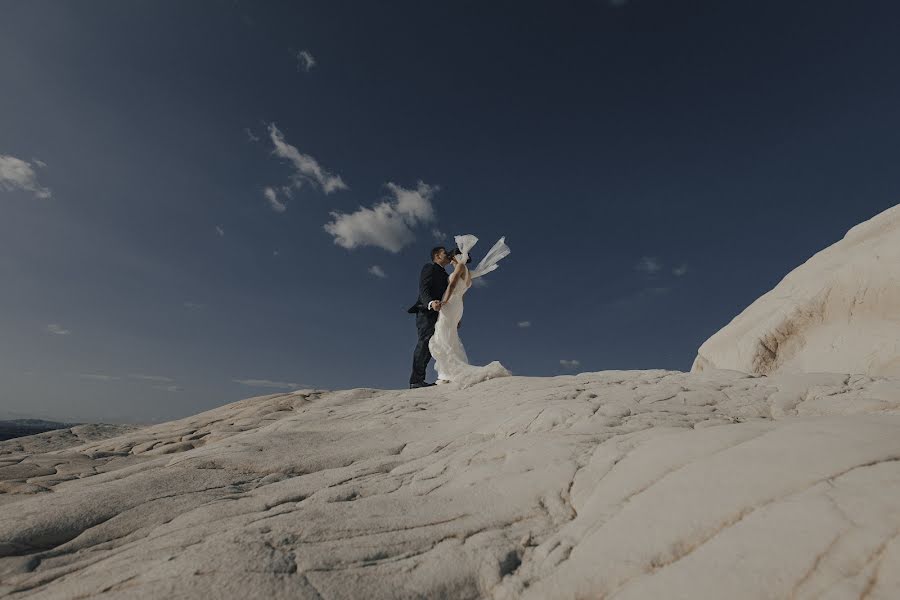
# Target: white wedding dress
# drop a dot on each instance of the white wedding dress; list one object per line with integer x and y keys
{"x": 450, "y": 358}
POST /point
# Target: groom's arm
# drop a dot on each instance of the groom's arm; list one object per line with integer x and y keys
{"x": 425, "y": 286}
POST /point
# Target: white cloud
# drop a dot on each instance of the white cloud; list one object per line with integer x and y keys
{"x": 649, "y": 265}
{"x": 306, "y": 168}
{"x": 415, "y": 204}
{"x": 305, "y": 61}
{"x": 194, "y": 305}
{"x": 220, "y": 231}
{"x": 272, "y": 196}
{"x": 480, "y": 282}
{"x": 387, "y": 224}
{"x": 523, "y": 324}
{"x": 377, "y": 271}
{"x": 680, "y": 270}
{"x": 250, "y": 135}
{"x": 268, "y": 383}
{"x": 39, "y": 163}
{"x": 16, "y": 174}
{"x": 97, "y": 377}
{"x": 569, "y": 364}
{"x": 439, "y": 236}
{"x": 57, "y": 329}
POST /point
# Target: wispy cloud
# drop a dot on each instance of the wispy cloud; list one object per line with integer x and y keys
{"x": 268, "y": 383}
{"x": 250, "y": 135}
{"x": 388, "y": 224}
{"x": 97, "y": 377}
{"x": 220, "y": 231}
{"x": 306, "y": 168}
{"x": 305, "y": 61}
{"x": 523, "y": 324}
{"x": 194, "y": 305}
{"x": 154, "y": 378}
{"x": 39, "y": 163}
{"x": 480, "y": 282}
{"x": 272, "y": 196}
{"x": 680, "y": 270}
{"x": 159, "y": 382}
{"x": 57, "y": 329}
{"x": 569, "y": 364}
{"x": 377, "y": 271}
{"x": 438, "y": 235}
{"x": 649, "y": 265}
{"x": 168, "y": 388}
{"x": 16, "y": 174}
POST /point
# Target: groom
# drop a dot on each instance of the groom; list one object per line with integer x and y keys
{"x": 432, "y": 285}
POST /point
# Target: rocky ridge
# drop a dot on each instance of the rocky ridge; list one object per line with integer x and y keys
{"x": 839, "y": 312}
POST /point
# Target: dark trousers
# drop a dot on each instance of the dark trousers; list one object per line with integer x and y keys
{"x": 425, "y": 321}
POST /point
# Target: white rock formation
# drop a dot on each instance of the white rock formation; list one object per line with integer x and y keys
{"x": 642, "y": 484}
{"x": 38, "y": 474}
{"x": 839, "y": 312}
{"x": 58, "y": 439}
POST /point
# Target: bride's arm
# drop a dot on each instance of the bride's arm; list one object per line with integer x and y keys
{"x": 454, "y": 277}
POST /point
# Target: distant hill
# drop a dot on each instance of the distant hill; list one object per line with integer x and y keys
{"x": 22, "y": 427}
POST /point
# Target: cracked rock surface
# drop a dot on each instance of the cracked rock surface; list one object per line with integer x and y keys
{"x": 617, "y": 484}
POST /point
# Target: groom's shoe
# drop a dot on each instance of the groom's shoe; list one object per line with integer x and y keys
{"x": 420, "y": 384}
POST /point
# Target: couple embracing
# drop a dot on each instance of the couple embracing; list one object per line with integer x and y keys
{"x": 439, "y": 308}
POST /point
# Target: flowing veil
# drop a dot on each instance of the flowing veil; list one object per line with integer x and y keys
{"x": 490, "y": 260}
{"x": 465, "y": 243}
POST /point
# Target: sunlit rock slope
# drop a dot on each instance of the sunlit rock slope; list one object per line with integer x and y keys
{"x": 839, "y": 312}
{"x": 637, "y": 484}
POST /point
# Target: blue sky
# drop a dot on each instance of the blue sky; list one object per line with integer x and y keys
{"x": 206, "y": 201}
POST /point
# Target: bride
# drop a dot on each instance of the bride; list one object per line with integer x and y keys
{"x": 451, "y": 361}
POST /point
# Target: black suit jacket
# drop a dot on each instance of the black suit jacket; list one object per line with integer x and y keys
{"x": 432, "y": 285}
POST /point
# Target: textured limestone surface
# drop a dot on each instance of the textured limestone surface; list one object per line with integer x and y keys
{"x": 40, "y": 473}
{"x": 839, "y": 312}
{"x": 58, "y": 439}
{"x": 616, "y": 484}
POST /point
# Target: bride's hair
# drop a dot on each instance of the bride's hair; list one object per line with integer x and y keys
{"x": 457, "y": 251}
